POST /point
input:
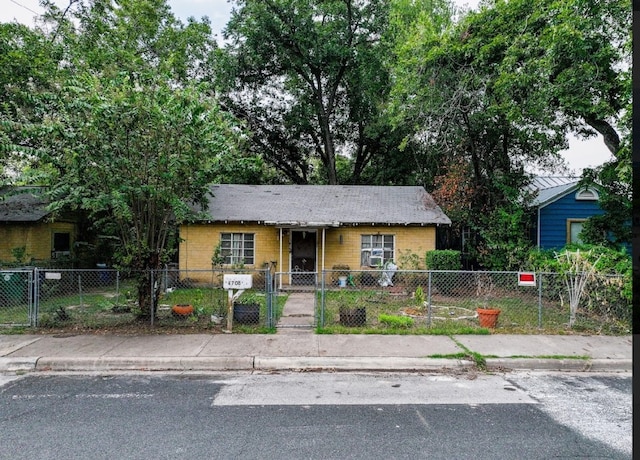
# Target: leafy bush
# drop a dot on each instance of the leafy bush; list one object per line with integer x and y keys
{"x": 609, "y": 294}
{"x": 446, "y": 259}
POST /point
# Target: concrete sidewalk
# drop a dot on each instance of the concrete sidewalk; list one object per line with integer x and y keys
{"x": 214, "y": 352}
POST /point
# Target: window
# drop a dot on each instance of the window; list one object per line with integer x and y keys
{"x": 61, "y": 244}
{"x": 574, "y": 227}
{"x": 376, "y": 250}
{"x": 237, "y": 248}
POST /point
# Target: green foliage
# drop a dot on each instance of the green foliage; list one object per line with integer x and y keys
{"x": 217, "y": 259}
{"x": 443, "y": 259}
{"x": 408, "y": 260}
{"x": 320, "y": 63}
{"x": 609, "y": 261}
{"x": 503, "y": 238}
{"x": 498, "y": 92}
{"x": 400, "y": 322}
{"x": 608, "y": 294}
{"x": 613, "y": 228}
{"x": 19, "y": 253}
{"x": 129, "y": 127}
{"x": 250, "y": 297}
{"x": 419, "y": 296}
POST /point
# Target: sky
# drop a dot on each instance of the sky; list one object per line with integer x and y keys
{"x": 581, "y": 154}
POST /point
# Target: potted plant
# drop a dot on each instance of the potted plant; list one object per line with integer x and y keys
{"x": 340, "y": 275}
{"x": 246, "y": 309}
{"x": 352, "y": 313}
{"x": 487, "y": 317}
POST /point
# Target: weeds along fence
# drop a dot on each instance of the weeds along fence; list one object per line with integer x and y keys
{"x": 346, "y": 301}
{"x": 448, "y": 301}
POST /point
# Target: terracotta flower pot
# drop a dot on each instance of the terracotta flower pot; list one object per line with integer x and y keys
{"x": 182, "y": 309}
{"x": 488, "y": 317}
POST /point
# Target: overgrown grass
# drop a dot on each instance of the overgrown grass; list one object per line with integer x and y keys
{"x": 450, "y": 315}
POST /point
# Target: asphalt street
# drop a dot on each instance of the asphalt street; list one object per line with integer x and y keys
{"x": 316, "y": 415}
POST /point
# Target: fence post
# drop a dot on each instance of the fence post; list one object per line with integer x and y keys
{"x": 269, "y": 297}
{"x": 322, "y": 290}
{"x": 80, "y": 289}
{"x": 429, "y": 298}
{"x": 540, "y": 301}
{"x": 34, "y": 294}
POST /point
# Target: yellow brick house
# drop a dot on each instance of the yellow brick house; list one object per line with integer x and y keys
{"x": 25, "y": 222}
{"x": 310, "y": 228}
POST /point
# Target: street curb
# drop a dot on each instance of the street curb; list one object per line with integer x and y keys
{"x": 311, "y": 363}
{"x": 575, "y": 365}
{"x": 359, "y": 363}
{"x": 146, "y": 364}
{"x": 18, "y": 364}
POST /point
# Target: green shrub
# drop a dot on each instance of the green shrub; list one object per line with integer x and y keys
{"x": 443, "y": 259}
{"x": 608, "y": 294}
{"x": 446, "y": 259}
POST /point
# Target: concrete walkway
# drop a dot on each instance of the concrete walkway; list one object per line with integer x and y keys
{"x": 298, "y": 314}
{"x": 313, "y": 352}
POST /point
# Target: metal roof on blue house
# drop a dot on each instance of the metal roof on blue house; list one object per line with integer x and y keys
{"x": 550, "y": 188}
{"x": 324, "y": 205}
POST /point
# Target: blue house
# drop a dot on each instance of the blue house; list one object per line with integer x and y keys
{"x": 561, "y": 207}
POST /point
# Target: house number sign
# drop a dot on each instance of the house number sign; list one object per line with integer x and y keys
{"x": 231, "y": 282}
{"x": 237, "y": 281}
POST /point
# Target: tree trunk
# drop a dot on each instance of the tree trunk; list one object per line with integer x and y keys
{"x": 145, "y": 297}
{"x": 610, "y": 136}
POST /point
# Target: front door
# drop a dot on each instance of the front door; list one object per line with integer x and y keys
{"x": 303, "y": 256}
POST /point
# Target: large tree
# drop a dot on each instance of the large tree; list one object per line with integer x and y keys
{"x": 307, "y": 78}
{"x": 133, "y": 132}
{"x": 500, "y": 91}
{"x": 28, "y": 68}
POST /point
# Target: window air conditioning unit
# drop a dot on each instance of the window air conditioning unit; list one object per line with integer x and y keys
{"x": 375, "y": 261}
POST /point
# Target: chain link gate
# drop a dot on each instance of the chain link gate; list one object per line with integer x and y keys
{"x": 17, "y": 298}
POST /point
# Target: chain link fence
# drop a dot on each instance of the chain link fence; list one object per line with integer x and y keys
{"x": 380, "y": 301}
{"x": 16, "y": 298}
{"x": 455, "y": 301}
{"x": 112, "y": 299}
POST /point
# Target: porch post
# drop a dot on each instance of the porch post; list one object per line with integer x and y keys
{"x": 281, "y": 263}
{"x": 323, "y": 241}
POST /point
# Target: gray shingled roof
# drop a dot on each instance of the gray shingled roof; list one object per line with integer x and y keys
{"x": 19, "y": 204}
{"x": 323, "y": 205}
{"x": 550, "y": 188}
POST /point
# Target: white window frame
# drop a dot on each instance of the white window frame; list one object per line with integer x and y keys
{"x": 238, "y": 248}
{"x": 570, "y": 223}
{"x": 376, "y": 249}
{"x": 587, "y": 194}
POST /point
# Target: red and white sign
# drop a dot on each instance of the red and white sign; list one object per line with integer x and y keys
{"x": 526, "y": 279}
